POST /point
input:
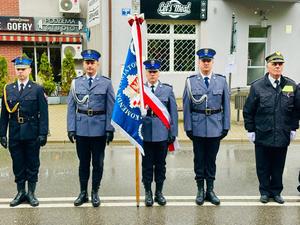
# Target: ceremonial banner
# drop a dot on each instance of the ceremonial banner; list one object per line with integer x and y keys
{"x": 126, "y": 115}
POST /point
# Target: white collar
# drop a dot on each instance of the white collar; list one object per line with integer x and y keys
{"x": 94, "y": 76}
{"x": 272, "y": 80}
{"x": 209, "y": 75}
{"x": 24, "y": 82}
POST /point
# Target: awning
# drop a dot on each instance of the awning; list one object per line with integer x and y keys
{"x": 65, "y": 38}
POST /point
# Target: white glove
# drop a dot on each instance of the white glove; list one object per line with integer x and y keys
{"x": 251, "y": 136}
{"x": 292, "y": 135}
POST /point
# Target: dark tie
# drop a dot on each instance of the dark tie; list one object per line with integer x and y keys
{"x": 152, "y": 88}
{"x": 90, "y": 81}
{"x": 206, "y": 81}
{"x": 21, "y": 88}
{"x": 276, "y": 84}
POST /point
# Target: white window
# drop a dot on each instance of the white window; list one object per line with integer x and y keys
{"x": 257, "y": 49}
{"x": 174, "y": 44}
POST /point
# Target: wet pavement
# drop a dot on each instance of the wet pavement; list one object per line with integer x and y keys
{"x": 236, "y": 185}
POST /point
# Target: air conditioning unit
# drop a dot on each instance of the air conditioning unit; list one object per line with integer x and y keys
{"x": 69, "y": 6}
{"x": 79, "y": 73}
{"x": 75, "y": 49}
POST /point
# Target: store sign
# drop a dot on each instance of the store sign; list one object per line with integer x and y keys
{"x": 175, "y": 9}
{"x": 59, "y": 24}
{"x": 93, "y": 13}
{"x": 16, "y": 24}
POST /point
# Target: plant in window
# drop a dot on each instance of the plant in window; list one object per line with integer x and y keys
{"x": 68, "y": 72}
{"x": 46, "y": 75}
{"x": 3, "y": 73}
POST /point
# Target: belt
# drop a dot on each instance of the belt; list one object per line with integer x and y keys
{"x": 207, "y": 111}
{"x": 90, "y": 112}
{"x": 24, "y": 119}
{"x": 150, "y": 113}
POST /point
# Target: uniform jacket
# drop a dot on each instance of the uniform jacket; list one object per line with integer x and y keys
{"x": 33, "y": 108}
{"x": 153, "y": 130}
{"x": 270, "y": 113}
{"x": 218, "y": 98}
{"x": 101, "y": 98}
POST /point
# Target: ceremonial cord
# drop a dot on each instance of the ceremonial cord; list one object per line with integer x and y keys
{"x": 6, "y": 104}
{"x": 189, "y": 90}
{"x": 77, "y": 100}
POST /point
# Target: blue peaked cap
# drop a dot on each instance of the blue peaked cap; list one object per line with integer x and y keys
{"x": 206, "y": 53}
{"x": 152, "y": 64}
{"x": 90, "y": 54}
{"x": 22, "y": 62}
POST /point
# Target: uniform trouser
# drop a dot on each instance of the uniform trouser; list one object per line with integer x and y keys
{"x": 90, "y": 148}
{"x": 154, "y": 161}
{"x": 205, "y": 154}
{"x": 269, "y": 168}
{"x": 25, "y": 156}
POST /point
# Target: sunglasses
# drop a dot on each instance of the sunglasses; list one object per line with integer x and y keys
{"x": 277, "y": 63}
{"x": 152, "y": 71}
{"x": 206, "y": 60}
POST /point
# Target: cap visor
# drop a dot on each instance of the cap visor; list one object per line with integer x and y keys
{"x": 21, "y": 66}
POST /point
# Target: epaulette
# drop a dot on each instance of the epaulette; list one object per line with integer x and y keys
{"x": 220, "y": 75}
{"x": 106, "y": 77}
{"x": 79, "y": 77}
{"x": 191, "y": 76}
{"x": 169, "y": 85}
{"x": 256, "y": 80}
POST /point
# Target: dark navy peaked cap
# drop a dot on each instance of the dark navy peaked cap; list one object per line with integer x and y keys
{"x": 206, "y": 53}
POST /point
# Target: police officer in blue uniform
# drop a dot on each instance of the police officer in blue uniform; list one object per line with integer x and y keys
{"x": 25, "y": 110}
{"x": 269, "y": 118}
{"x": 90, "y": 104}
{"x": 206, "y": 105}
{"x": 156, "y": 137}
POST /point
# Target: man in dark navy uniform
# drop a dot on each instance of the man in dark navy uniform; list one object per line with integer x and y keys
{"x": 206, "y": 113}
{"x": 25, "y": 110}
{"x": 156, "y": 136}
{"x": 90, "y": 105}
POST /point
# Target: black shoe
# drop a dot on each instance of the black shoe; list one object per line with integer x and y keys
{"x": 264, "y": 199}
{"x": 278, "y": 199}
{"x": 32, "y": 200}
{"x": 82, "y": 198}
{"x": 148, "y": 198}
{"x": 95, "y": 199}
{"x": 211, "y": 196}
{"x": 159, "y": 198}
{"x": 20, "y": 198}
{"x": 298, "y": 188}
{"x": 200, "y": 197}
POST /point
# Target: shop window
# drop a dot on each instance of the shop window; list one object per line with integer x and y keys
{"x": 174, "y": 44}
{"x": 257, "y": 48}
{"x": 53, "y": 52}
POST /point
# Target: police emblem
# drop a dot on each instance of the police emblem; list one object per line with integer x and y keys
{"x": 206, "y": 51}
{"x": 132, "y": 91}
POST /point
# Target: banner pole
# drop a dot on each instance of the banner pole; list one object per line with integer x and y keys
{"x": 137, "y": 177}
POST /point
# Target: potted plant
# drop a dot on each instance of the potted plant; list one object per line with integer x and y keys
{"x": 47, "y": 78}
{"x": 3, "y": 74}
{"x": 68, "y": 74}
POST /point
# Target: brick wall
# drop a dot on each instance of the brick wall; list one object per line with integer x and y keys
{"x": 10, "y": 50}
{"x": 9, "y": 8}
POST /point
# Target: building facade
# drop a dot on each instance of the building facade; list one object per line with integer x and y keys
{"x": 172, "y": 32}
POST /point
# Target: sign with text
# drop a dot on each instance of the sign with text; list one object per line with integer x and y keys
{"x": 59, "y": 24}
{"x": 175, "y": 9}
{"x": 21, "y": 24}
{"x": 93, "y": 13}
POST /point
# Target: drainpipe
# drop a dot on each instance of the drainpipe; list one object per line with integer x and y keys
{"x": 109, "y": 38}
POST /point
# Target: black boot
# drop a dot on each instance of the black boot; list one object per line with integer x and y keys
{"x": 20, "y": 197}
{"x": 95, "y": 197}
{"x": 148, "y": 195}
{"x": 200, "y": 194}
{"x": 33, "y": 201}
{"x": 159, "y": 197}
{"x": 83, "y": 195}
{"x": 210, "y": 195}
